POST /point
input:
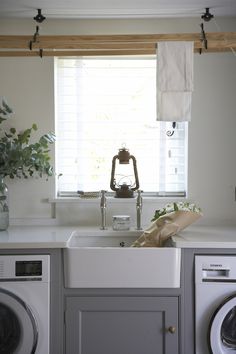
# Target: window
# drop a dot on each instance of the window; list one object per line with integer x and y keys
{"x": 103, "y": 104}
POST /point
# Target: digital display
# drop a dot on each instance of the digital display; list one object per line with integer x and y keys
{"x": 28, "y": 268}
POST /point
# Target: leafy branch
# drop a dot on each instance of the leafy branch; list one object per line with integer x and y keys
{"x": 176, "y": 206}
{"x": 20, "y": 158}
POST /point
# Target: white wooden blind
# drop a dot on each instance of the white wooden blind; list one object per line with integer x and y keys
{"x": 103, "y": 104}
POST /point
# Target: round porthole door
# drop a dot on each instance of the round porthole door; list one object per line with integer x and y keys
{"x": 18, "y": 327}
{"x": 222, "y": 331}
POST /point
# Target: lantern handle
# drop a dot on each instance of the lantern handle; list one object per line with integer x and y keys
{"x": 135, "y": 173}
{"x": 112, "y": 181}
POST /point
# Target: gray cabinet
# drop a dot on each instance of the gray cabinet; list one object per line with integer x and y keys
{"x": 122, "y": 325}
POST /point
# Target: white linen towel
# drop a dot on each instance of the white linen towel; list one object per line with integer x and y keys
{"x": 174, "y": 106}
{"x": 174, "y": 81}
{"x": 175, "y": 66}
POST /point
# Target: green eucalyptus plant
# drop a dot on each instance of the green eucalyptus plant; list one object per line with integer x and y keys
{"x": 18, "y": 156}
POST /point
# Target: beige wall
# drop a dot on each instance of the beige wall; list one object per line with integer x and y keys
{"x": 28, "y": 85}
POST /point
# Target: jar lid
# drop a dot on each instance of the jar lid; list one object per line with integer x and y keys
{"x": 121, "y": 217}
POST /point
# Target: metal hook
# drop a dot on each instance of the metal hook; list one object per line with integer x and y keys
{"x": 35, "y": 38}
{"x": 203, "y": 36}
{"x": 36, "y": 35}
{"x": 171, "y": 132}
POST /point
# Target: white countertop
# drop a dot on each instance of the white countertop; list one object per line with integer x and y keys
{"x": 57, "y": 236}
{"x": 206, "y": 237}
{"x": 35, "y": 237}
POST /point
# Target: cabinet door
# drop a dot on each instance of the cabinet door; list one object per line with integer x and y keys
{"x": 122, "y": 325}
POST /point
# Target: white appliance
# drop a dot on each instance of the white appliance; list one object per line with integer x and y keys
{"x": 215, "y": 304}
{"x": 24, "y": 304}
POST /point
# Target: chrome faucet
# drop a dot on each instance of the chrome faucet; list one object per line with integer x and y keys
{"x": 139, "y": 205}
{"x": 103, "y": 206}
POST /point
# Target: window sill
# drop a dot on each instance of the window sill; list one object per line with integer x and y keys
{"x": 158, "y": 202}
{"x": 60, "y": 200}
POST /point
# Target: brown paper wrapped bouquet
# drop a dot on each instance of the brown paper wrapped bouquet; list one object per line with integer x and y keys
{"x": 168, "y": 221}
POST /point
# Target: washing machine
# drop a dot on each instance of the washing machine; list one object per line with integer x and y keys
{"x": 24, "y": 304}
{"x": 215, "y": 304}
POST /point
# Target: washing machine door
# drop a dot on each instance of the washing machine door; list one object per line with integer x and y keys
{"x": 18, "y": 328}
{"x": 222, "y": 331}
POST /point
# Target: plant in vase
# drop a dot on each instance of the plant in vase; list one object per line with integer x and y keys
{"x": 20, "y": 158}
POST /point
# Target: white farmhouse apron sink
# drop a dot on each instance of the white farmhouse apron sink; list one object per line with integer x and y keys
{"x": 104, "y": 259}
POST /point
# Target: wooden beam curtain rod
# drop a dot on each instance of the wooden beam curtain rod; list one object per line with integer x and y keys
{"x": 92, "y": 45}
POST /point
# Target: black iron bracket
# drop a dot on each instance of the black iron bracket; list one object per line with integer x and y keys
{"x": 38, "y": 18}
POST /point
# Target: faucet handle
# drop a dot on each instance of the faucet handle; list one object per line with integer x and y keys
{"x": 139, "y": 205}
{"x": 103, "y": 198}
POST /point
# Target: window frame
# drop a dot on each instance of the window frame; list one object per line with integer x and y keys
{"x": 153, "y": 194}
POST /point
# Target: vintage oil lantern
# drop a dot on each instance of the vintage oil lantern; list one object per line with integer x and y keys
{"x": 124, "y": 176}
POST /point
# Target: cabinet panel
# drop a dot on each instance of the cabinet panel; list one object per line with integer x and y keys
{"x": 121, "y": 325}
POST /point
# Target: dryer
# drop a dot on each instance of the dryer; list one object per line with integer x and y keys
{"x": 24, "y": 304}
{"x": 215, "y": 304}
